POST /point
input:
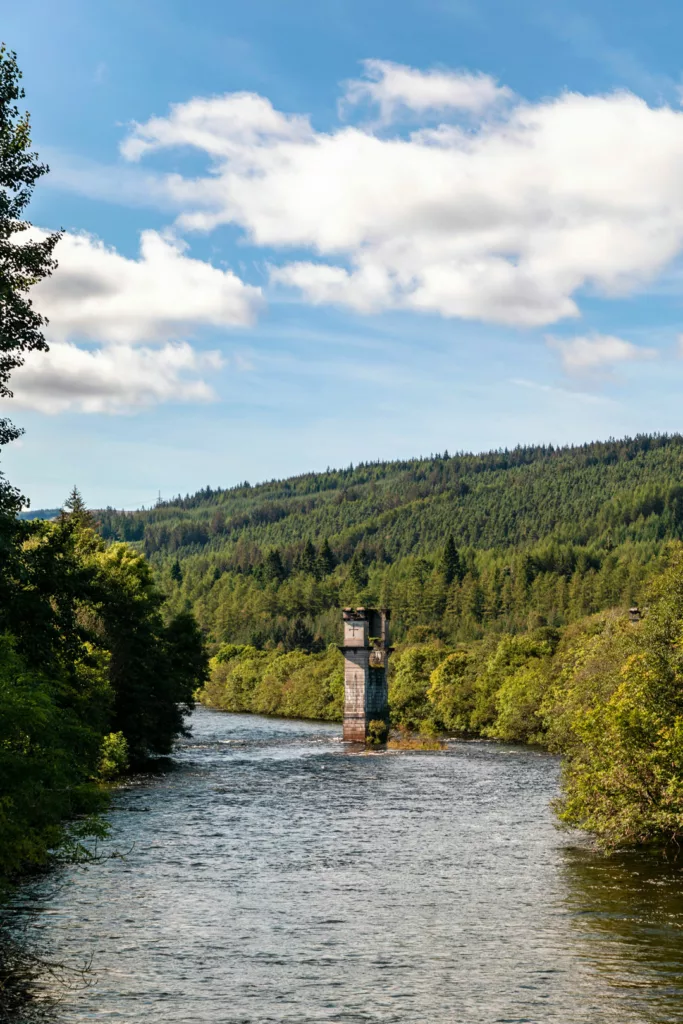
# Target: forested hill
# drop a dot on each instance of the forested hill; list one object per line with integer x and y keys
{"x": 603, "y": 492}
{"x": 581, "y": 524}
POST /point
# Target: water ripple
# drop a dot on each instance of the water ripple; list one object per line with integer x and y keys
{"x": 276, "y": 876}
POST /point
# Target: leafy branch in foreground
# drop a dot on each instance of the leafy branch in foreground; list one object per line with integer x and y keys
{"x": 26, "y": 256}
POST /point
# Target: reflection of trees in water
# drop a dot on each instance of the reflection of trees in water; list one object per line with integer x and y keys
{"x": 31, "y": 980}
{"x": 22, "y": 977}
{"x": 627, "y": 911}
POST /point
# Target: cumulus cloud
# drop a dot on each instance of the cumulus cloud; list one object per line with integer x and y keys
{"x": 97, "y": 293}
{"x": 220, "y": 125}
{"x": 597, "y": 354}
{"x": 365, "y": 290}
{"x": 115, "y": 379}
{"x": 135, "y": 316}
{"x": 392, "y": 87}
{"x": 504, "y": 221}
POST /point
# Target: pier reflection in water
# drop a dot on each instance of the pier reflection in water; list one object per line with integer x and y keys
{"x": 275, "y": 876}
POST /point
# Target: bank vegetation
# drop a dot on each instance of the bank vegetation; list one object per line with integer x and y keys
{"x": 604, "y": 692}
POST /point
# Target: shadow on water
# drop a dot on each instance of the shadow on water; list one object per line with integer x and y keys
{"x": 29, "y": 975}
{"x": 627, "y": 922}
{"x": 21, "y": 975}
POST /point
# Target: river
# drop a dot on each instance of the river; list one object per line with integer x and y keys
{"x": 274, "y": 875}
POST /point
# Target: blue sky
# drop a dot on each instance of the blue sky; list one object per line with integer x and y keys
{"x": 472, "y": 241}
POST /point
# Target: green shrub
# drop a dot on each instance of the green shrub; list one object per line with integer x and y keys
{"x": 451, "y": 692}
{"x": 409, "y": 684}
{"x": 510, "y": 654}
{"x": 623, "y": 773}
{"x": 114, "y": 756}
{"x": 292, "y": 684}
{"x": 518, "y": 703}
{"x": 377, "y": 732}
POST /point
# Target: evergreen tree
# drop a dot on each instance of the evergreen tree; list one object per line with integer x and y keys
{"x": 308, "y": 562}
{"x": 77, "y": 510}
{"x": 176, "y": 572}
{"x": 357, "y": 571}
{"x": 451, "y": 565}
{"x": 299, "y": 637}
{"x": 326, "y": 560}
{"x": 273, "y": 568}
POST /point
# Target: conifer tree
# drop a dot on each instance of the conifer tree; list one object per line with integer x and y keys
{"x": 309, "y": 560}
{"x": 273, "y": 569}
{"x": 357, "y": 571}
{"x": 451, "y": 565}
{"x": 176, "y": 572}
{"x": 326, "y": 560}
{"x": 77, "y": 511}
{"x": 299, "y": 636}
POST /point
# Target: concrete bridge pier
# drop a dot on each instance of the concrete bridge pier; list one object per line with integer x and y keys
{"x": 366, "y": 652}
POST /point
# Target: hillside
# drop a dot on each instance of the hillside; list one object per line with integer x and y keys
{"x": 549, "y": 532}
{"x": 39, "y": 513}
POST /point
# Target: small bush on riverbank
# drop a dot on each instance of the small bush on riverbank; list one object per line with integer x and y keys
{"x": 404, "y": 741}
{"x": 115, "y": 757}
{"x": 377, "y": 732}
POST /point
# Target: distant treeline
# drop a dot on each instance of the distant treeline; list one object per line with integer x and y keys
{"x": 458, "y": 546}
{"x": 39, "y": 513}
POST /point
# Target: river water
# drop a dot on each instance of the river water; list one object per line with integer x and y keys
{"x": 274, "y": 875}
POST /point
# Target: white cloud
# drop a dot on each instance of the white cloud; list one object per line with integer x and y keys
{"x": 115, "y": 379}
{"x": 221, "y": 126}
{"x": 365, "y": 290}
{"x": 392, "y": 87}
{"x": 98, "y": 294}
{"x": 597, "y": 354}
{"x": 503, "y": 222}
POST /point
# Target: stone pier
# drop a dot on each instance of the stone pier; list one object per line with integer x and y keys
{"x": 366, "y": 660}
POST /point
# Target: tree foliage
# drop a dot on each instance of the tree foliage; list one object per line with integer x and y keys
{"x": 462, "y": 546}
{"x": 623, "y": 775}
{"x": 25, "y": 258}
{"x": 293, "y": 684}
{"x": 85, "y": 654}
{"x": 95, "y": 673}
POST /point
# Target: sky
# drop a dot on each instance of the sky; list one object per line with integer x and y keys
{"x": 305, "y": 235}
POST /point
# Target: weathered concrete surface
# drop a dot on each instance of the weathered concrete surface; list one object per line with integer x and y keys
{"x": 366, "y": 655}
